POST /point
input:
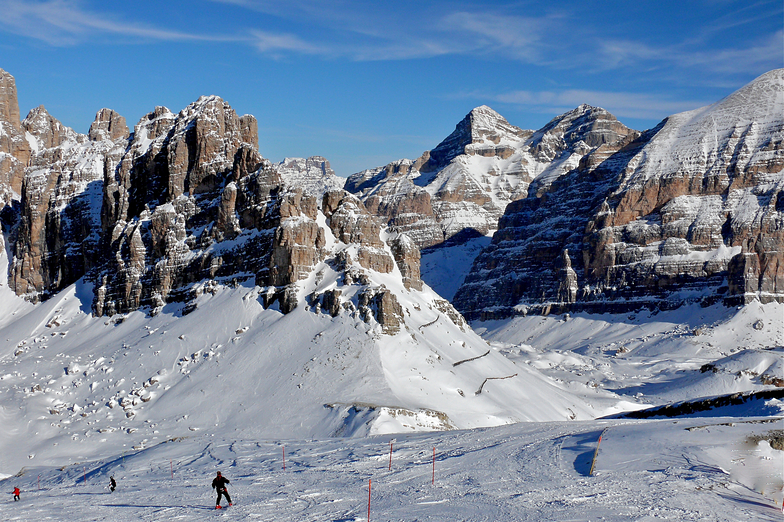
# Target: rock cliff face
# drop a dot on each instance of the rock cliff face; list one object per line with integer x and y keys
{"x": 591, "y": 214}
{"x": 691, "y": 210}
{"x": 14, "y": 147}
{"x": 313, "y": 175}
{"x": 183, "y": 203}
{"x": 464, "y": 184}
{"x": 57, "y": 234}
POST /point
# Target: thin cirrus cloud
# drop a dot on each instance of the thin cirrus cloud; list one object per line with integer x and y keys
{"x": 66, "y": 22}
{"x": 361, "y": 32}
{"x": 621, "y": 104}
{"x": 765, "y": 52}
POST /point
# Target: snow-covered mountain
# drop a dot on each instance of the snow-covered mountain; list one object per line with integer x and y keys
{"x": 313, "y": 175}
{"x": 692, "y": 210}
{"x": 461, "y": 187}
{"x": 173, "y": 264}
{"x": 168, "y": 293}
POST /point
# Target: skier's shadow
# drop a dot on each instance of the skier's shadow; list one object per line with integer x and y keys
{"x": 158, "y": 507}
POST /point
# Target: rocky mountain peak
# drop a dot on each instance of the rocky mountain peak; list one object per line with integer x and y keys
{"x": 481, "y": 127}
{"x": 14, "y": 148}
{"x": 47, "y": 129}
{"x": 590, "y": 125}
{"x": 108, "y": 125}
{"x": 9, "y": 104}
{"x": 686, "y": 211}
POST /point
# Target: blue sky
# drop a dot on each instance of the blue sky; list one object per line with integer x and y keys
{"x": 365, "y": 83}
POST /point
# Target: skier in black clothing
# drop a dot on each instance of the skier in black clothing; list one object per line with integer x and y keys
{"x": 112, "y": 484}
{"x": 219, "y": 483}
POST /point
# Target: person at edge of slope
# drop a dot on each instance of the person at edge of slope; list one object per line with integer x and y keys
{"x": 112, "y": 484}
{"x": 219, "y": 483}
{"x": 16, "y": 494}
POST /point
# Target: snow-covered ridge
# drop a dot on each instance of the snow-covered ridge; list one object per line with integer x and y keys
{"x": 747, "y": 123}
{"x": 464, "y": 184}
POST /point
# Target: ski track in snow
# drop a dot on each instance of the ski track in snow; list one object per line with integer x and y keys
{"x": 84, "y": 397}
{"x": 518, "y": 472}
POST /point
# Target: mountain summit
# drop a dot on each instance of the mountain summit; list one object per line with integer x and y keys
{"x": 690, "y": 210}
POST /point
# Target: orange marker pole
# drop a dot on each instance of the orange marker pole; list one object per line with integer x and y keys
{"x": 369, "y": 484}
{"x": 390, "y": 455}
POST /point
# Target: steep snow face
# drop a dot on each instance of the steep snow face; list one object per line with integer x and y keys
{"x": 743, "y": 129}
{"x": 313, "y": 175}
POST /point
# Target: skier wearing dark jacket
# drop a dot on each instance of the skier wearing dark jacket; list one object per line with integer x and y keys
{"x": 219, "y": 483}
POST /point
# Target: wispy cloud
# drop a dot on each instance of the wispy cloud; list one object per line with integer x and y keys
{"x": 358, "y": 31}
{"x": 621, "y": 104}
{"x": 520, "y": 37}
{"x": 275, "y": 44}
{"x": 766, "y": 53}
{"x": 68, "y": 22}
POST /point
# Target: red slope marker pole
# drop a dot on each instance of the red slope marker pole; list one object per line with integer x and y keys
{"x": 433, "y": 481}
{"x": 390, "y": 455}
{"x": 369, "y": 484}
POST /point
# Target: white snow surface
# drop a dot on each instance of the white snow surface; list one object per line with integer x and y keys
{"x": 686, "y": 470}
{"x": 229, "y": 385}
{"x": 697, "y": 139}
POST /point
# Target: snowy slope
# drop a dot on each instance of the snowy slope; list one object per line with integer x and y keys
{"x": 686, "y": 470}
{"x": 653, "y": 358}
{"x": 748, "y": 123}
{"x": 74, "y": 385}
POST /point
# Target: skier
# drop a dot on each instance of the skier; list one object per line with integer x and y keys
{"x": 16, "y": 494}
{"x": 219, "y": 483}
{"x": 112, "y": 484}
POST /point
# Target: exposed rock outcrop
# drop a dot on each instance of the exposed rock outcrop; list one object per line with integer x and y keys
{"x": 687, "y": 211}
{"x": 108, "y": 125}
{"x": 464, "y": 184}
{"x": 313, "y": 175}
{"x": 14, "y": 148}
{"x": 58, "y": 234}
{"x": 184, "y": 203}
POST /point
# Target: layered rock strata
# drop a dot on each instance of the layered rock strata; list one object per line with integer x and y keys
{"x": 691, "y": 210}
{"x": 184, "y": 202}
{"x": 461, "y": 187}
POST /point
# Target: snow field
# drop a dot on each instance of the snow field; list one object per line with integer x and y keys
{"x": 683, "y": 469}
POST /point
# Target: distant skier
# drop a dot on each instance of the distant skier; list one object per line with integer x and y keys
{"x": 219, "y": 483}
{"x": 112, "y": 484}
{"x": 16, "y": 494}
